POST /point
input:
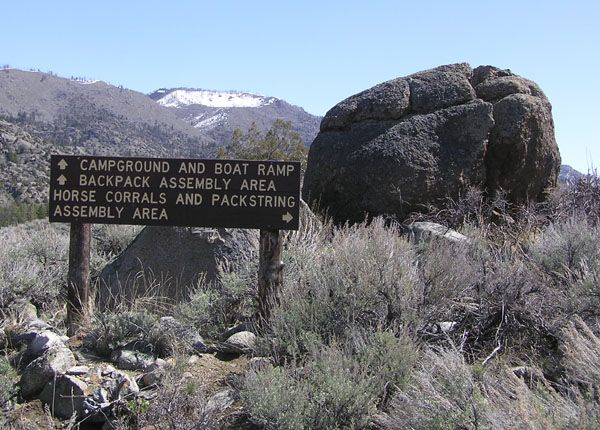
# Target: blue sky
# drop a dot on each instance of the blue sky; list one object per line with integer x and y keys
{"x": 314, "y": 54}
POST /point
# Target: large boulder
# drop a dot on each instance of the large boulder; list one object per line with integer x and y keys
{"x": 413, "y": 141}
{"x": 173, "y": 258}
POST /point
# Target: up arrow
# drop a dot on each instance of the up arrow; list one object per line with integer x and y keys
{"x": 61, "y": 180}
{"x": 62, "y": 164}
{"x": 287, "y": 217}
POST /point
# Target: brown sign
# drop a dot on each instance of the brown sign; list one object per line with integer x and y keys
{"x": 177, "y": 192}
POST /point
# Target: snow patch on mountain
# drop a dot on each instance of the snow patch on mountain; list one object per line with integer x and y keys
{"x": 217, "y": 99}
{"x": 207, "y": 121}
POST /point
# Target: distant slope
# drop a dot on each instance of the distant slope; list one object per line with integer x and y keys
{"x": 218, "y": 113}
{"x": 24, "y": 165}
{"x": 95, "y": 117}
{"x": 568, "y": 175}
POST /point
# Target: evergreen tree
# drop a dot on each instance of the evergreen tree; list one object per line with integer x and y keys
{"x": 279, "y": 143}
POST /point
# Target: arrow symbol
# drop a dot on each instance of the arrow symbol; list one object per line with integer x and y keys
{"x": 61, "y": 180}
{"x": 287, "y": 217}
{"x": 62, "y": 164}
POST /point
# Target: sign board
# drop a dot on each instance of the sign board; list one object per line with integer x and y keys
{"x": 175, "y": 192}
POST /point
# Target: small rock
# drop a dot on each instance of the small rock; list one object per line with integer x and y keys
{"x": 153, "y": 373}
{"x": 38, "y": 325}
{"x": 447, "y": 326}
{"x": 242, "y": 341}
{"x": 65, "y": 396}
{"x": 97, "y": 407}
{"x": 107, "y": 370}
{"x": 78, "y": 370}
{"x": 221, "y": 400}
{"x": 193, "y": 359}
{"x": 245, "y": 326}
{"x": 55, "y": 360}
{"x": 119, "y": 385}
{"x": 130, "y": 360}
{"x": 425, "y": 231}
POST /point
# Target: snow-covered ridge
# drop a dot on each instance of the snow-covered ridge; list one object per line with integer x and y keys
{"x": 218, "y": 99}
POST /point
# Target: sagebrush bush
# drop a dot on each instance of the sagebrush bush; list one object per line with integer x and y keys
{"x": 111, "y": 330}
{"x": 213, "y": 307}
{"x": 565, "y": 246}
{"x": 364, "y": 276}
{"x": 580, "y": 348}
{"x": 112, "y": 239}
{"x": 8, "y": 378}
{"x": 33, "y": 263}
{"x": 332, "y": 390}
{"x": 444, "y": 395}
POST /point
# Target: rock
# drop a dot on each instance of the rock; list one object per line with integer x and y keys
{"x": 245, "y": 326}
{"x": 97, "y": 407}
{"x": 130, "y": 360}
{"x": 193, "y": 359}
{"x": 170, "y": 335}
{"x": 221, "y": 401}
{"x": 38, "y": 325}
{"x": 151, "y": 256}
{"x": 522, "y": 156}
{"x": 55, "y": 360}
{"x": 154, "y": 372}
{"x": 78, "y": 371}
{"x": 423, "y": 231}
{"x": 119, "y": 385}
{"x": 243, "y": 341}
{"x": 414, "y": 141}
{"x": 64, "y": 396}
{"x": 43, "y": 341}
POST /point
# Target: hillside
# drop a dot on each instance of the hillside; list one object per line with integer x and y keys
{"x": 24, "y": 165}
{"x": 218, "y": 113}
{"x": 97, "y": 118}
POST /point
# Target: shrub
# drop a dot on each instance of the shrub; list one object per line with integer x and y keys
{"x": 566, "y": 245}
{"x": 332, "y": 391}
{"x": 8, "y": 377}
{"x": 179, "y": 404}
{"x": 213, "y": 307}
{"x": 445, "y": 395}
{"x": 33, "y": 264}
{"x": 113, "y": 329}
{"x": 580, "y": 348}
{"x": 113, "y": 239}
{"x": 363, "y": 277}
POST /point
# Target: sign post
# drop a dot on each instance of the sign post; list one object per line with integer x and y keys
{"x": 78, "y": 289}
{"x": 262, "y": 195}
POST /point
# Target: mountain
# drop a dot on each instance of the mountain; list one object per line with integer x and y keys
{"x": 24, "y": 165}
{"x": 218, "y": 113}
{"x": 568, "y": 175}
{"x": 95, "y": 117}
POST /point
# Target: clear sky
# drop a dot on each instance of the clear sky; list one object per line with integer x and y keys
{"x": 316, "y": 53}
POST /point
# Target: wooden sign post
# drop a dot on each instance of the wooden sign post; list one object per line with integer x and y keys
{"x": 263, "y": 195}
{"x": 78, "y": 288}
{"x": 270, "y": 274}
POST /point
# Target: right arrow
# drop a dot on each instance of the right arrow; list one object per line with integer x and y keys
{"x": 61, "y": 180}
{"x": 287, "y": 217}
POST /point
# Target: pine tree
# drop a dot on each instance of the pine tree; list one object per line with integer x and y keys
{"x": 279, "y": 143}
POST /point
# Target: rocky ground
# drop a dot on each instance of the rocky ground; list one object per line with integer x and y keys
{"x": 66, "y": 378}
